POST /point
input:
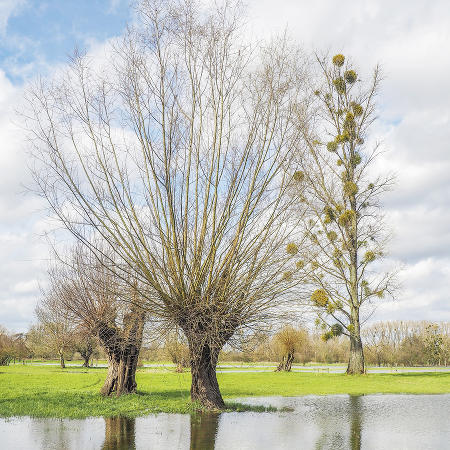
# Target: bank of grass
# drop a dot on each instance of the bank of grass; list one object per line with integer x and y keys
{"x": 48, "y": 391}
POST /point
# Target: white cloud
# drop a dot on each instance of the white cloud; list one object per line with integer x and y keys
{"x": 23, "y": 252}
{"x": 424, "y": 293}
{"x": 26, "y": 287}
{"x": 7, "y": 9}
{"x": 409, "y": 39}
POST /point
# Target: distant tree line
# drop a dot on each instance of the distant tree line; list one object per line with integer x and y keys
{"x": 12, "y": 347}
{"x": 408, "y": 343}
{"x": 392, "y": 343}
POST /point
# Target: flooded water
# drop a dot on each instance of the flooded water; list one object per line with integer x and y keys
{"x": 311, "y": 422}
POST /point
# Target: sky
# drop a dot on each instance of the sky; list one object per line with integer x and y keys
{"x": 409, "y": 39}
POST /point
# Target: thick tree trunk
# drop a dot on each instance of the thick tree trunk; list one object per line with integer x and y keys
{"x": 121, "y": 377}
{"x": 286, "y": 363}
{"x": 204, "y": 387}
{"x": 85, "y": 348}
{"x": 356, "y": 360}
{"x": 123, "y": 349}
{"x": 86, "y": 354}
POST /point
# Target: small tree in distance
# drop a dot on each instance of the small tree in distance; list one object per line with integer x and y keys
{"x": 177, "y": 350}
{"x": 55, "y": 331}
{"x": 345, "y": 233}
{"x": 289, "y": 340}
{"x": 85, "y": 344}
{"x": 6, "y": 347}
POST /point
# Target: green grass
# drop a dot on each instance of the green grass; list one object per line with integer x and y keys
{"x": 52, "y": 392}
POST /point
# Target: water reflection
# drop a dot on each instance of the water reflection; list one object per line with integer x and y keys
{"x": 119, "y": 434}
{"x": 204, "y": 429}
{"x": 356, "y": 422}
{"x": 313, "y": 422}
{"x": 340, "y": 424}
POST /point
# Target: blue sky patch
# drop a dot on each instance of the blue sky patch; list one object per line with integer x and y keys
{"x": 42, "y": 33}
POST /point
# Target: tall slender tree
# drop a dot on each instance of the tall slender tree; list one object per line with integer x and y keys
{"x": 344, "y": 225}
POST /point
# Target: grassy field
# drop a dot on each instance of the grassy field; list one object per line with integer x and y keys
{"x": 48, "y": 391}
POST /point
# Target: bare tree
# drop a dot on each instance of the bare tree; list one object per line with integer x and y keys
{"x": 177, "y": 350}
{"x": 85, "y": 344}
{"x": 7, "y": 350}
{"x": 176, "y": 158}
{"x": 376, "y": 340}
{"x": 344, "y": 226}
{"x": 104, "y": 306}
{"x": 408, "y": 342}
{"x": 55, "y": 330}
{"x": 434, "y": 344}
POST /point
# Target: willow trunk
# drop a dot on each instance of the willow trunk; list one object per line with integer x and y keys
{"x": 86, "y": 358}
{"x": 286, "y": 363}
{"x": 121, "y": 376}
{"x": 122, "y": 348}
{"x": 205, "y": 388}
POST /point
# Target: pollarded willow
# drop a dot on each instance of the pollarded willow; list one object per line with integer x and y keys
{"x": 173, "y": 155}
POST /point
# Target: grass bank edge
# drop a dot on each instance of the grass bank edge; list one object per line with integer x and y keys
{"x": 46, "y": 392}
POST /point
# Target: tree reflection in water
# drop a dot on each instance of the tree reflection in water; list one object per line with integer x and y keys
{"x": 335, "y": 424}
{"x": 204, "y": 427}
{"x": 356, "y": 422}
{"x": 119, "y": 434}
{"x": 319, "y": 422}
